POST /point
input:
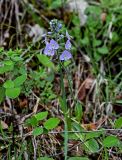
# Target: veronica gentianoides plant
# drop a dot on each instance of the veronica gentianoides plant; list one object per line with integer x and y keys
{"x": 58, "y": 45}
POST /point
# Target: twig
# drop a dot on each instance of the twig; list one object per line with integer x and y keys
{"x": 61, "y": 132}
{"x": 69, "y": 149}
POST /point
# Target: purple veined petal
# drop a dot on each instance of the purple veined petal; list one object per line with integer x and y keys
{"x": 54, "y": 44}
{"x": 68, "y": 44}
{"x": 48, "y": 46}
{"x": 66, "y": 55}
{"x": 48, "y": 51}
{"x": 49, "y": 33}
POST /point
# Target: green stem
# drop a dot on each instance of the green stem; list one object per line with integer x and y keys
{"x": 65, "y": 111}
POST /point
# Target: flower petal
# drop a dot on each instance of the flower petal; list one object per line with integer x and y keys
{"x": 48, "y": 51}
{"x": 68, "y": 44}
{"x": 67, "y": 35}
{"x": 54, "y": 44}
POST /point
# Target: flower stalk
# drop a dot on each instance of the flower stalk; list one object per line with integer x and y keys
{"x": 65, "y": 112}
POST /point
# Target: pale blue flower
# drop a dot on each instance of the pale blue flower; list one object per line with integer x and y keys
{"x": 66, "y": 55}
{"x": 48, "y": 51}
{"x": 51, "y": 47}
{"x": 53, "y": 44}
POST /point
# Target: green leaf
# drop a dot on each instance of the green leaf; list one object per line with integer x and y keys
{"x": 62, "y": 104}
{"x": 1, "y": 49}
{"x": 78, "y": 111}
{"x": 92, "y": 9}
{"x": 32, "y": 121}
{"x": 51, "y": 123}
{"x": 76, "y": 20}
{"x": 85, "y": 41}
{"x": 2, "y": 70}
{"x": 115, "y": 37}
{"x": 12, "y": 92}
{"x": 72, "y": 136}
{"x": 6, "y": 68}
{"x": 22, "y": 70}
{"x": 8, "y": 84}
{"x": 118, "y": 123}
{"x": 8, "y": 63}
{"x": 45, "y": 158}
{"x": 110, "y": 141}
{"x": 92, "y": 145}
{"x": 16, "y": 58}
{"x": 45, "y": 61}
{"x": 93, "y": 135}
{"x": 97, "y": 42}
{"x": 41, "y": 115}
{"x": 37, "y": 131}
{"x": 10, "y": 53}
{"x": 20, "y": 80}
{"x": 2, "y": 94}
{"x": 118, "y": 101}
{"x": 50, "y": 77}
{"x": 78, "y": 158}
{"x": 97, "y": 56}
{"x": 66, "y": 63}
{"x": 55, "y": 4}
{"x": 103, "y": 50}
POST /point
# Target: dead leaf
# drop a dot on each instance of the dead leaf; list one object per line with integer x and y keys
{"x": 81, "y": 6}
{"x": 4, "y": 125}
{"x": 90, "y": 126}
{"x": 36, "y": 32}
{"x": 88, "y": 83}
{"x": 35, "y": 108}
{"x": 103, "y": 16}
{"x": 23, "y": 103}
{"x": 85, "y": 86}
{"x": 94, "y": 126}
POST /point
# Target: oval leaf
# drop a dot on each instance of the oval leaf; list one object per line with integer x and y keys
{"x": 32, "y": 121}
{"x": 12, "y": 92}
{"x": 51, "y": 123}
{"x": 103, "y": 50}
{"x": 110, "y": 141}
{"x": 8, "y": 84}
{"x": 45, "y": 60}
{"x": 41, "y": 115}
{"x": 20, "y": 80}
{"x": 118, "y": 123}
{"x": 37, "y": 131}
{"x": 92, "y": 145}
